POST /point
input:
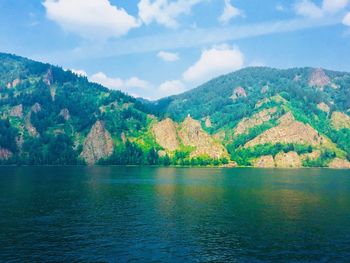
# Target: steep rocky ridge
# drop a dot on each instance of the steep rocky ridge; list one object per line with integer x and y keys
{"x": 98, "y": 144}
{"x": 192, "y": 134}
{"x": 289, "y": 131}
{"x": 319, "y": 78}
{"x": 166, "y": 135}
{"x": 340, "y": 120}
{"x": 256, "y": 120}
{"x": 288, "y": 160}
{"x": 338, "y": 163}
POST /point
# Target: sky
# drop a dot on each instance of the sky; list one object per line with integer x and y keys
{"x": 157, "y": 48}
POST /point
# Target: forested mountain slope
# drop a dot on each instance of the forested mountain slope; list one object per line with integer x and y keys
{"x": 258, "y": 117}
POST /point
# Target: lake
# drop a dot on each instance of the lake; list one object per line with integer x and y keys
{"x": 123, "y": 214}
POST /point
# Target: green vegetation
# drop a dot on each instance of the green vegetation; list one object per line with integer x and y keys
{"x": 8, "y": 136}
{"x": 43, "y": 135}
{"x": 244, "y": 156}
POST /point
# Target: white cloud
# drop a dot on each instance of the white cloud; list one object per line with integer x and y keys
{"x": 229, "y": 12}
{"x": 135, "y": 82}
{"x": 90, "y": 18}
{"x": 168, "y": 56}
{"x": 137, "y": 87}
{"x": 333, "y": 6}
{"x": 79, "y": 72}
{"x": 171, "y": 87}
{"x": 308, "y": 8}
{"x": 164, "y": 12}
{"x": 346, "y": 20}
{"x": 108, "y": 82}
{"x": 120, "y": 84}
{"x": 214, "y": 62}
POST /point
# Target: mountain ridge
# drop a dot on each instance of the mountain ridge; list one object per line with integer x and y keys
{"x": 53, "y": 116}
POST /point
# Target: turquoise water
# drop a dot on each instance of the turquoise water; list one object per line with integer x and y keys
{"x": 123, "y": 214}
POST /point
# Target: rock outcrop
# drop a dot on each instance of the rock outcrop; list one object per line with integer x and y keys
{"x": 165, "y": 134}
{"x": 36, "y": 108}
{"x": 256, "y": 120}
{"x": 53, "y": 93}
{"x": 65, "y": 114}
{"x": 238, "y": 92}
{"x": 339, "y": 164}
{"x": 192, "y": 134}
{"x": 17, "y": 111}
{"x": 319, "y": 78}
{"x": 276, "y": 99}
{"x": 208, "y": 122}
{"x": 288, "y": 131}
{"x": 13, "y": 84}
{"x": 48, "y": 79}
{"x": 323, "y": 107}
{"x": 98, "y": 144}
{"x": 288, "y": 160}
{"x": 5, "y": 154}
{"x": 340, "y": 120}
{"x": 29, "y": 126}
{"x": 266, "y": 161}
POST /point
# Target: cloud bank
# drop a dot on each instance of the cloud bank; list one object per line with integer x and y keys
{"x": 90, "y": 18}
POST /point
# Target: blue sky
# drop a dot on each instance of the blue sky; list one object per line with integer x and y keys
{"x": 156, "y": 48}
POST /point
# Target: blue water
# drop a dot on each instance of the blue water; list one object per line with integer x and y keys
{"x": 123, "y": 214}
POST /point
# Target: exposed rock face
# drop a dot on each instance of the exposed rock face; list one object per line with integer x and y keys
{"x": 98, "y": 144}
{"x": 340, "y": 120}
{"x": 256, "y": 120}
{"x": 53, "y": 93}
{"x": 265, "y": 89}
{"x": 319, "y": 78}
{"x": 17, "y": 111}
{"x": 288, "y": 160}
{"x": 48, "y": 79}
{"x": 13, "y": 84}
{"x": 219, "y": 136}
{"x": 288, "y": 131}
{"x": 5, "y": 154}
{"x": 36, "y": 108}
{"x": 123, "y": 137}
{"x": 208, "y": 122}
{"x": 162, "y": 153}
{"x": 323, "y": 107}
{"x": 192, "y": 134}
{"x": 276, "y": 98}
{"x": 238, "y": 92}
{"x": 165, "y": 134}
{"x": 266, "y": 161}
{"x": 65, "y": 114}
{"x": 339, "y": 164}
{"x": 30, "y": 128}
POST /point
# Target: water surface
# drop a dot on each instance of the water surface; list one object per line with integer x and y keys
{"x": 123, "y": 214}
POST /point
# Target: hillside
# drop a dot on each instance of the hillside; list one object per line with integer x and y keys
{"x": 258, "y": 117}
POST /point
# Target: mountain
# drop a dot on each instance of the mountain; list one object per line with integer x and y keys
{"x": 259, "y": 117}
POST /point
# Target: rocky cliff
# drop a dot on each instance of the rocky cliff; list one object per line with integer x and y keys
{"x": 166, "y": 135}
{"x": 256, "y": 120}
{"x": 288, "y": 131}
{"x": 340, "y": 120}
{"x": 192, "y": 134}
{"x": 319, "y": 78}
{"x": 98, "y": 144}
